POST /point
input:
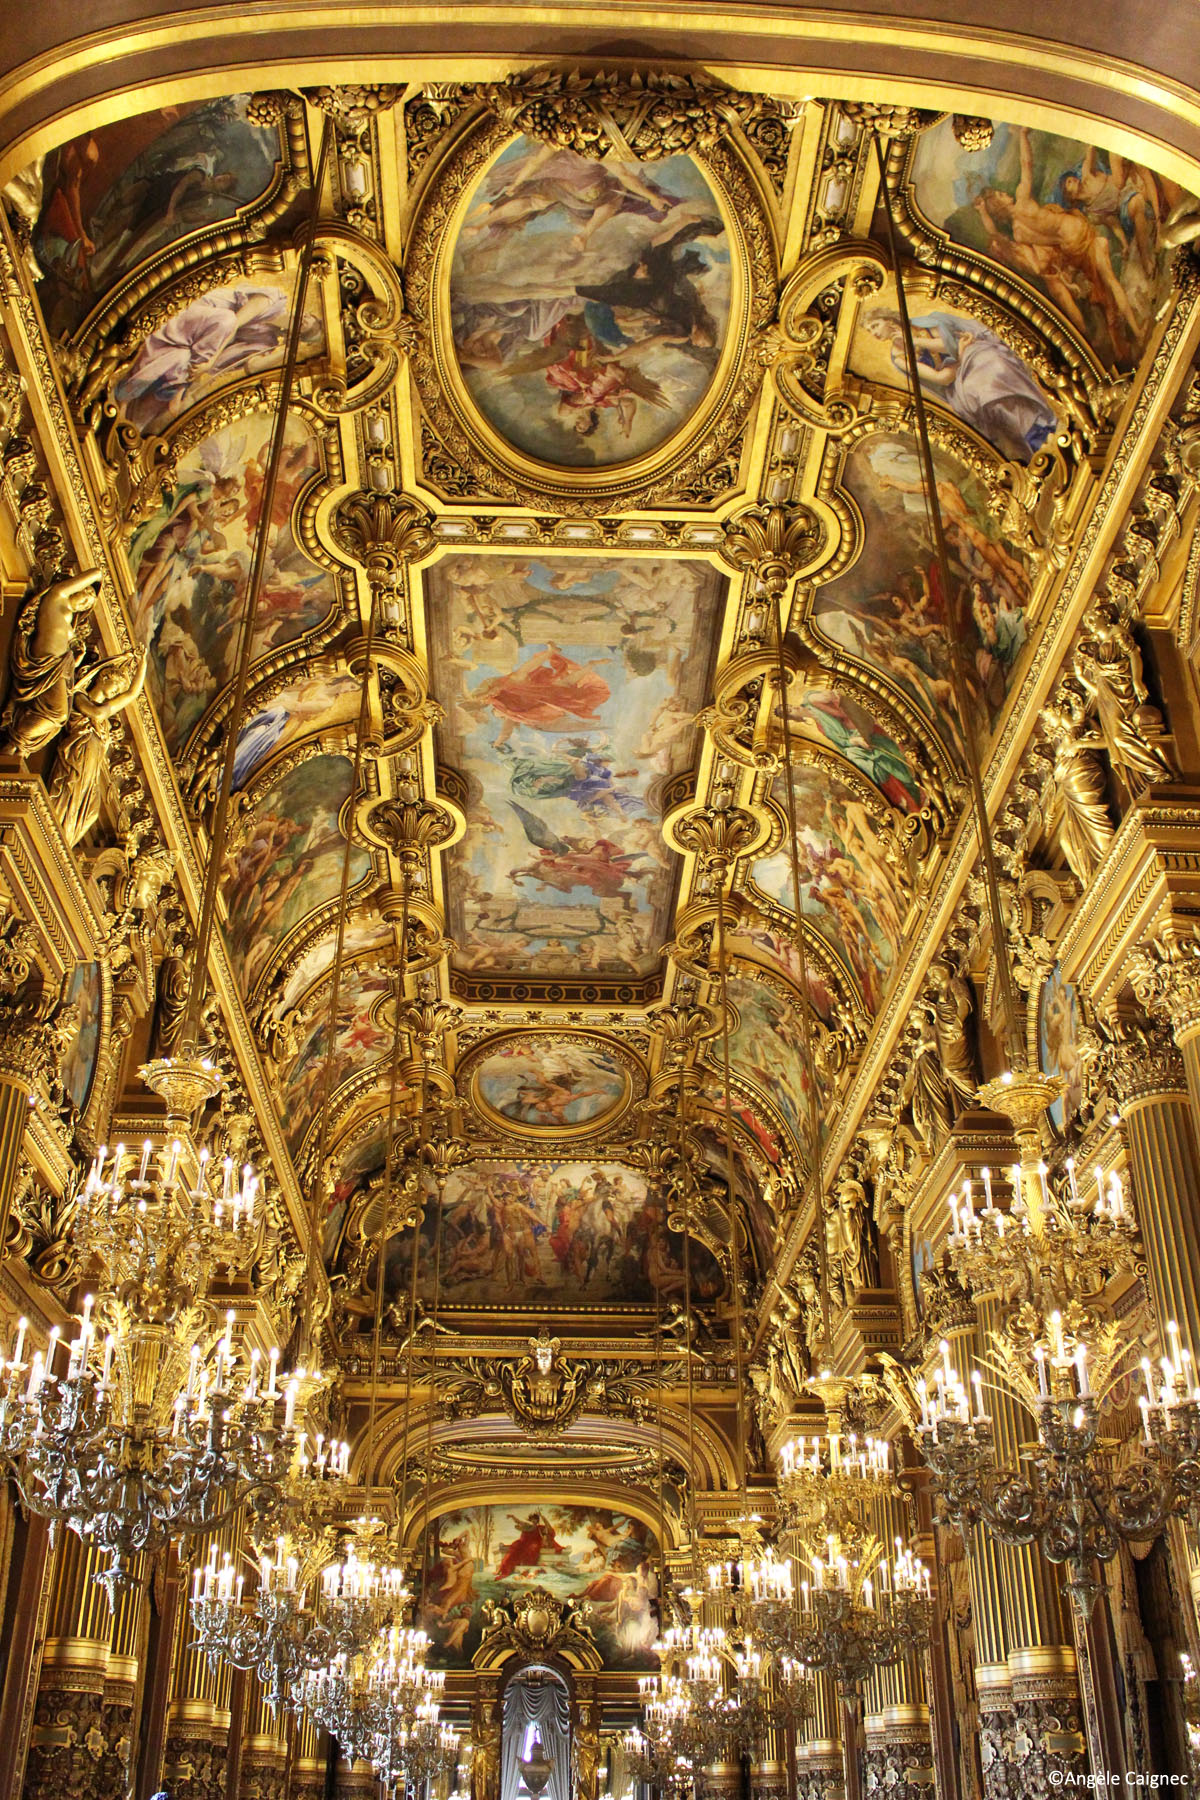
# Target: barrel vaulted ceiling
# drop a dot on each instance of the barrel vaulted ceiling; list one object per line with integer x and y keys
{"x": 567, "y": 343}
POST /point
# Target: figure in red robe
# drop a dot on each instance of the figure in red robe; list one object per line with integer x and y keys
{"x": 534, "y": 1535}
{"x": 542, "y": 692}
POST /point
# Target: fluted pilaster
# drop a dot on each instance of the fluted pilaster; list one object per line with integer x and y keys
{"x": 83, "y": 1740}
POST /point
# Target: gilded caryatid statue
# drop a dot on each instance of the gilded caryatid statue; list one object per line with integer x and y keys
{"x": 950, "y": 1007}
{"x": 850, "y": 1253}
{"x": 44, "y": 662}
{"x": 76, "y": 789}
{"x": 1079, "y": 784}
{"x": 1108, "y": 664}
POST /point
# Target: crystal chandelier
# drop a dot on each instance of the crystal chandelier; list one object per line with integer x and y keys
{"x": 858, "y": 1612}
{"x": 829, "y": 1476}
{"x": 1068, "y": 1496}
{"x": 1051, "y": 1257}
{"x": 382, "y": 1705}
{"x": 1042, "y": 1246}
{"x": 158, "y": 1427}
{"x": 279, "y": 1632}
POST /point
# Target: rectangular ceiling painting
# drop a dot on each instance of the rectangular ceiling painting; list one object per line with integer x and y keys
{"x": 570, "y": 685}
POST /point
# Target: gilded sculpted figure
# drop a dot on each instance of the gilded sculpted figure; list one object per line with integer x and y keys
{"x": 83, "y": 754}
{"x": 927, "y": 1089}
{"x": 950, "y": 1005}
{"x": 848, "y": 1238}
{"x": 173, "y": 983}
{"x": 1079, "y": 783}
{"x": 45, "y": 656}
{"x": 1109, "y": 665}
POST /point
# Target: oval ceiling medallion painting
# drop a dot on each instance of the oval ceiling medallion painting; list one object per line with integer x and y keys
{"x": 536, "y": 1082}
{"x": 589, "y": 302}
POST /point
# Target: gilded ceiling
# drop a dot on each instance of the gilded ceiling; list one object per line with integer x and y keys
{"x": 563, "y": 350}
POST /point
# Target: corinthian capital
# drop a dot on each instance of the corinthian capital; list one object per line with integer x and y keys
{"x": 1165, "y": 975}
{"x": 1146, "y": 1063}
{"x": 718, "y": 835}
{"x": 410, "y": 828}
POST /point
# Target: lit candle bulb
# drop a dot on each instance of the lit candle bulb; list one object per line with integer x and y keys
{"x": 987, "y": 1188}
{"x": 1081, "y": 1371}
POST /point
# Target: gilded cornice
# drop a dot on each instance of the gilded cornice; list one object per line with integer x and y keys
{"x": 81, "y": 516}
{"x": 1133, "y": 445}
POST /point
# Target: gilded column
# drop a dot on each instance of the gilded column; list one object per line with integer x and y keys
{"x": 1157, "y": 1113}
{"x": 308, "y": 1762}
{"x": 820, "y": 1763}
{"x": 1042, "y": 1742}
{"x": 989, "y": 1576}
{"x": 20, "y": 1651}
{"x": 897, "y": 1740}
{"x": 264, "y": 1748}
{"x": 769, "y": 1770}
{"x": 197, "y": 1724}
{"x": 164, "y": 1626}
{"x": 83, "y": 1738}
{"x": 1156, "y": 1109}
{"x": 357, "y": 1782}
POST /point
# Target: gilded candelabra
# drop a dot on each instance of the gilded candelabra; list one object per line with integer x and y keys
{"x": 150, "y": 1424}
{"x": 1056, "y": 1352}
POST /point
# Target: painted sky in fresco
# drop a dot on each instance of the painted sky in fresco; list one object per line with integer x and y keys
{"x": 766, "y": 1046}
{"x": 360, "y": 1040}
{"x": 533, "y": 1082}
{"x": 834, "y": 717}
{"x": 888, "y": 610}
{"x": 849, "y": 888}
{"x": 570, "y": 685}
{"x": 290, "y": 861}
{"x": 589, "y": 301}
{"x": 223, "y": 337}
{"x": 576, "y": 1552}
{"x": 964, "y": 367}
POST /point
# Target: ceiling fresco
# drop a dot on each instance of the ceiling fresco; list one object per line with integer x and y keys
{"x": 589, "y": 301}
{"x": 289, "y": 861}
{"x": 570, "y": 686}
{"x": 887, "y": 610}
{"x": 850, "y": 884}
{"x": 557, "y": 1236}
{"x": 575, "y": 421}
{"x": 1080, "y": 225}
{"x": 224, "y": 336}
{"x": 192, "y": 557}
{"x": 119, "y": 195}
{"x": 589, "y": 309}
{"x": 965, "y": 368}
